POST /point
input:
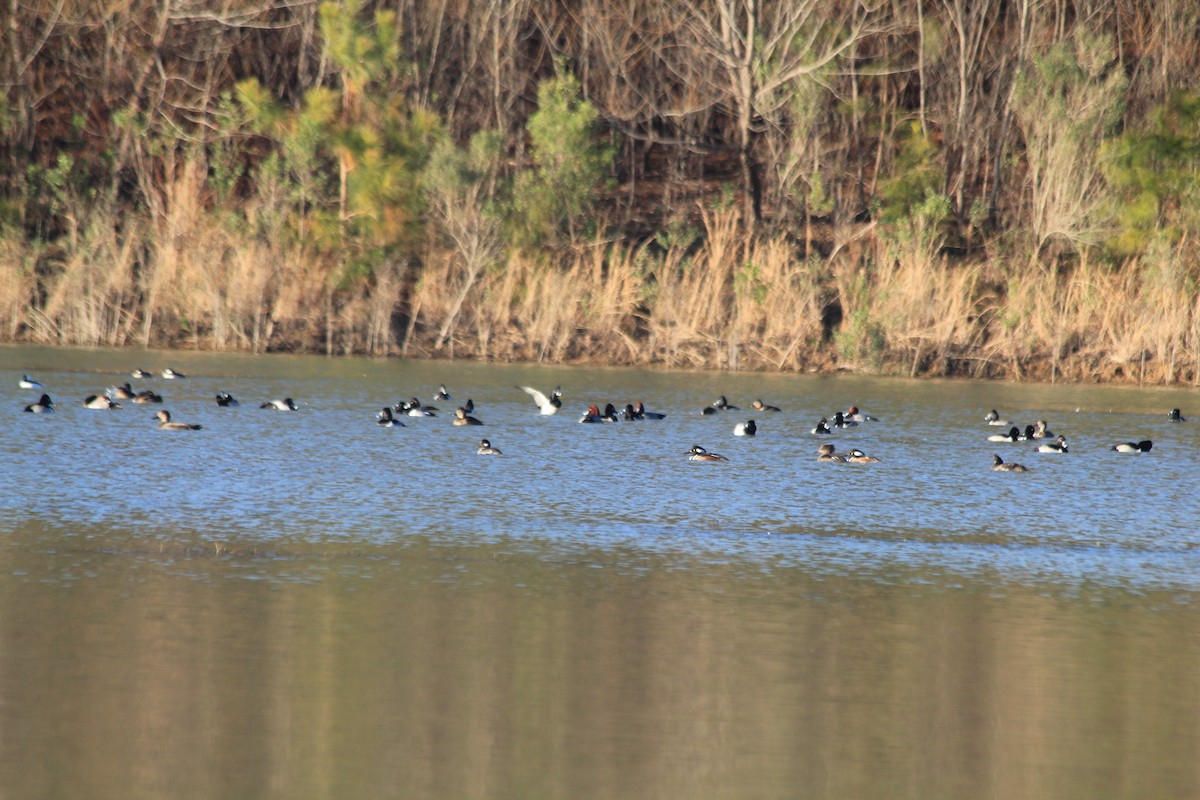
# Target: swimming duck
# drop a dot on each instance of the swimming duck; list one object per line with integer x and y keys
{"x": 165, "y": 423}
{"x": 747, "y": 428}
{"x": 1133, "y": 447}
{"x": 640, "y": 410}
{"x": 172, "y": 375}
{"x": 384, "y": 419}
{"x": 286, "y": 404}
{"x": 698, "y": 453}
{"x": 855, "y": 415}
{"x": 226, "y": 400}
{"x": 630, "y": 414}
{"x": 122, "y": 392}
{"x": 826, "y": 453}
{"x": 722, "y": 404}
{"x": 1041, "y": 430}
{"x": 759, "y": 405}
{"x": 993, "y": 418}
{"x": 857, "y": 456}
{"x": 100, "y": 401}
{"x": 461, "y": 418}
{"x": 486, "y": 449}
{"x": 1013, "y": 435}
{"x": 840, "y": 421}
{"x": 1000, "y": 465}
{"x": 27, "y": 382}
{"x": 44, "y": 405}
{"x": 610, "y": 413}
{"x": 1059, "y": 445}
{"x": 592, "y": 414}
{"x": 469, "y": 406}
{"x": 822, "y": 428}
{"x": 142, "y": 375}
{"x": 413, "y": 408}
{"x": 546, "y": 405}
{"x": 441, "y": 394}
{"x": 1173, "y": 416}
{"x": 147, "y": 396}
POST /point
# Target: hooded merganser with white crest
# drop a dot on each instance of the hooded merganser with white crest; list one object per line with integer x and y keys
{"x": 43, "y": 406}
{"x": 698, "y": 453}
{"x": 1013, "y": 435}
{"x": 172, "y": 375}
{"x": 384, "y": 419}
{"x": 857, "y": 456}
{"x": 1133, "y": 447}
{"x": 100, "y": 401}
{"x": 826, "y": 453}
{"x": 486, "y": 449}
{"x": 1000, "y": 465}
{"x": 165, "y": 423}
{"x": 226, "y": 400}
{"x": 461, "y": 418}
{"x": 286, "y": 404}
{"x": 546, "y": 405}
{"x": 759, "y": 405}
{"x": 27, "y": 382}
{"x": 747, "y": 428}
{"x": 1059, "y": 445}
{"x": 822, "y": 428}
{"x": 1173, "y": 416}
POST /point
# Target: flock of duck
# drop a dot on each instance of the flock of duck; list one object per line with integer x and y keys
{"x": 549, "y": 404}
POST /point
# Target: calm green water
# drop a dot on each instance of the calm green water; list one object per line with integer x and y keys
{"x": 291, "y": 605}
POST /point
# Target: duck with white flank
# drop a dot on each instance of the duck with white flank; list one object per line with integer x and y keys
{"x": 100, "y": 401}
{"x": 142, "y": 375}
{"x": 1000, "y": 465}
{"x": 384, "y": 419}
{"x": 286, "y": 404}
{"x": 27, "y": 382}
{"x": 43, "y": 406}
{"x": 698, "y": 453}
{"x": 993, "y": 418}
{"x": 1013, "y": 435}
{"x": 441, "y": 396}
{"x": 165, "y": 423}
{"x": 226, "y": 400}
{"x": 1059, "y": 445}
{"x": 854, "y": 415}
{"x": 173, "y": 375}
{"x": 1133, "y": 447}
{"x": 546, "y": 405}
{"x": 856, "y": 456}
{"x": 748, "y": 428}
{"x": 822, "y": 428}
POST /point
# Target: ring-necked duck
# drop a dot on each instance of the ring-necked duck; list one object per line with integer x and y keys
{"x": 759, "y": 405}
{"x": 461, "y": 418}
{"x": 1134, "y": 447}
{"x": 413, "y": 408}
{"x": 486, "y": 449}
{"x": 142, "y": 375}
{"x": 698, "y": 453}
{"x": 1000, "y": 465}
{"x": 165, "y": 423}
{"x": 27, "y": 382}
{"x": 286, "y": 404}
{"x": 840, "y": 421}
{"x": 44, "y": 405}
{"x": 100, "y": 401}
{"x": 826, "y": 453}
{"x": 747, "y": 428}
{"x": 384, "y": 419}
{"x": 1013, "y": 435}
{"x": 441, "y": 394}
{"x": 147, "y": 396}
{"x": 172, "y": 375}
{"x": 857, "y": 456}
{"x": 1173, "y": 416}
{"x": 546, "y": 405}
{"x": 1059, "y": 445}
{"x": 822, "y": 428}
{"x": 993, "y": 418}
{"x": 226, "y": 400}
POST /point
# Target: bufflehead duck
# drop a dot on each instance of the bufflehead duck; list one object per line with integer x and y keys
{"x": 172, "y": 375}
{"x": 857, "y": 456}
{"x": 286, "y": 404}
{"x": 1134, "y": 447}
{"x": 486, "y": 449}
{"x": 461, "y": 418}
{"x": 165, "y": 423}
{"x": 698, "y": 453}
{"x": 1000, "y": 465}
{"x": 640, "y": 411}
{"x": 994, "y": 418}
{"x": 747, "y": 428}
{"x": 44, "y": 405}
{"x": 100, "y": 401}
{"x": 226, "y": 400}
{"x": 384, "y": 419}
{"x": 142, "y": 375}
{"x": 1059, "y": 445}
{"x": 759, "y": 405}
{"x": 826, "y": 453}
{"x": 546, "y": 405}
{"x": 27, "y": 382}
{"x": 441, "y": 394}
{"x": 822, "y": 428}
{"x": 855, "y": 415}
{"x": 1013, "y": 435}
{"x": 147, "y": 396}
{"x": 1173, "y": 416}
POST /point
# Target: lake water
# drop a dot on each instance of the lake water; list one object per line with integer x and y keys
{"x": 303, "y": 604}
